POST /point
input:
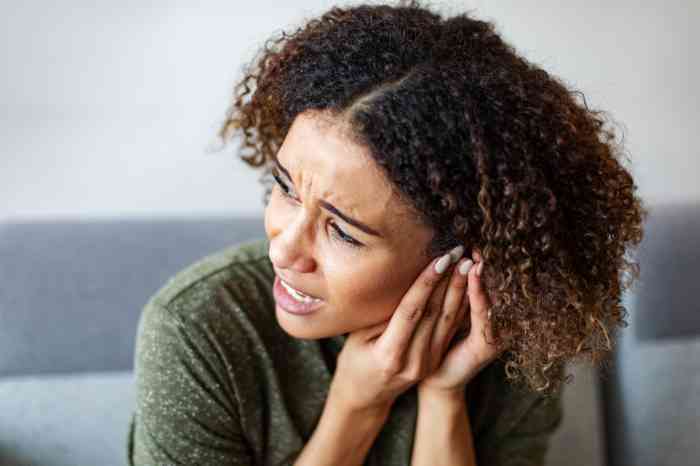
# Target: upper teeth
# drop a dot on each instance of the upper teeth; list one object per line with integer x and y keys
{"x": 298, "y": 295}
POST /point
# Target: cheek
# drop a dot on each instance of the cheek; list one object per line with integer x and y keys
{"x": 371, "y": 292}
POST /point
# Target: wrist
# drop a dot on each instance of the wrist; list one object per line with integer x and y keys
{"x": 442, "y": 397}
{"x": 343, "y": 435}
{"x": 344, "y": 404}
{"x": 443, "y": 431}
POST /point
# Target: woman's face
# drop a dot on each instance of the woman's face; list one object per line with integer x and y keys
{"x": 360, "y": 276}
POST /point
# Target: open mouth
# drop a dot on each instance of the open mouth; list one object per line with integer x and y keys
{"x": 298, "y": 295}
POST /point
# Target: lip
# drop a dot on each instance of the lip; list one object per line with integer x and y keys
{"x": 290, "y": 283}
{"x": 291, "y": 305}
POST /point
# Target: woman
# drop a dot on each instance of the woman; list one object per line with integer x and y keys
{"x": 446, "y": 230}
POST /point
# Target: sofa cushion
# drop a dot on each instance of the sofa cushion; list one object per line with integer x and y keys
{"x": 651, "y": 390}
{"x": 65, "y": 420}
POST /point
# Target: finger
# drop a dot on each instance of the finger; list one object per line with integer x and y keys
{"x": 438, "y": 295}
{"x": 476, "y": 256}
{"x": 487, "y": 320}
{"x": 477, "y": 348}
{"x": 453, "y": 308}
{"x": 434, "y": 305}
{"x": 466, "y": 317}
{"x": 395, "y": 339}
{"x": 463, "y": 327}
{"x": 419, "y": 353}
{"x": 479, "y": 303}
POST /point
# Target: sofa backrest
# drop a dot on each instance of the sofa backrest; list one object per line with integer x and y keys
{"x": 71, "y": 291}
{"x": 651, "y": 390}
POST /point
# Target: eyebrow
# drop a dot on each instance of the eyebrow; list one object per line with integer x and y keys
{"x": 331, "y": 208}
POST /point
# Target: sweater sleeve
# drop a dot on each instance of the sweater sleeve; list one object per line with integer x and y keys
{"x": 186, "y": 411}
{"x": 527, "y": 441}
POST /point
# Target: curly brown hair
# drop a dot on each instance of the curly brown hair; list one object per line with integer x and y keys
{"x": 489, "y": 150}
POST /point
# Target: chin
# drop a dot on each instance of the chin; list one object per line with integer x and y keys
{"x": 300, "y": 326}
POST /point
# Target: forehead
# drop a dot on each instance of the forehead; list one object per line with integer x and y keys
{"x": 327, "y": 165}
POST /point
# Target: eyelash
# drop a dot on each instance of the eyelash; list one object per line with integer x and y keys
{"x": 338, "y": 233}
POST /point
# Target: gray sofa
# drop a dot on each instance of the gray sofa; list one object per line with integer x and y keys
{"x": 72, "y": 292}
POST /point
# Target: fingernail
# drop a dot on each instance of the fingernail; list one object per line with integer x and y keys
{"x": 456, "y": 253}
{"x": 441, "y": 265}
{"x": 479, "y": 268}
{"x": 466, "y": 265}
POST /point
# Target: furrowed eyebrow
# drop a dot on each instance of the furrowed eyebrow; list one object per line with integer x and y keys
{"x": 331, "y": 208}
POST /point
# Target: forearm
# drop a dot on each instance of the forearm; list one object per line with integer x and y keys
{"x": 342, "y": 436}
{"x": 443, "y": 434}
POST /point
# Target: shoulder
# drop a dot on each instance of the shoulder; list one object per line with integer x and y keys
{"x": 192, "y": 336}
{"x": 222, "y": 298}
{"x": 207, "y": 316}
{"x": 239, "y": 267}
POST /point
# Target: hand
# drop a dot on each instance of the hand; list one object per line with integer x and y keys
{"x": 469, "y": 355}
{"x": 380, "y": 362}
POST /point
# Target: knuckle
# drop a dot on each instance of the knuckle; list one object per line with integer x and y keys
{"x": 414, "y": 374}
{"x": 459, "y": 284}
{"x": 430, "y": 280}
{"x": 412, "y": 312}
{"x": 436, "y": 298}
{"x": 391, "y": 365}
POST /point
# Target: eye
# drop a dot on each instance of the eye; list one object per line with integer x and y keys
{"x": 340, "y": 234}
{"x": 282, "y": 184}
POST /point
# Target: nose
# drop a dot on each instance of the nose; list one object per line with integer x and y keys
{"x": 291, "y": 244}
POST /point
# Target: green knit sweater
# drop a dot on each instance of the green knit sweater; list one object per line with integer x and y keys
{"x": 219, "y": 382}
